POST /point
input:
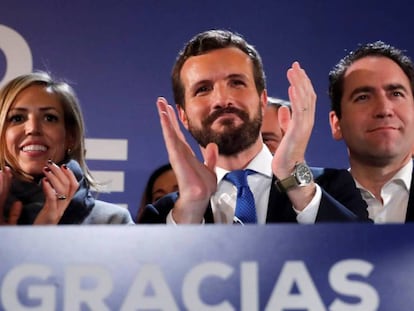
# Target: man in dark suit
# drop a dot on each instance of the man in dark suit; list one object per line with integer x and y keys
{"x": 333, "y": 181}
{"x": 372, "y": 110}
{"x": 336, "y": 182}
{"x": 220, "y": 92}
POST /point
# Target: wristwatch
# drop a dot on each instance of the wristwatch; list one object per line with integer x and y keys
{"x": 301, "y": 176}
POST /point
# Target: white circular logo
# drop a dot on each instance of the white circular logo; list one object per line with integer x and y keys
{"x": 17, "y": 53}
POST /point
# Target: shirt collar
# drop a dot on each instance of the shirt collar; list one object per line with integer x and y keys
{"x": 261, "y": 163}
{"x": 404, "y": 175}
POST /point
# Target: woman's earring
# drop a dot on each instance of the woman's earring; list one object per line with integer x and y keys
{"x": 68, "y": 152}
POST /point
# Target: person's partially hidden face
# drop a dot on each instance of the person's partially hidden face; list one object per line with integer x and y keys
{"x": 272, "y": 133}
{"x": 35, "y": 129}
{"x": 377, "y": 108}
{"x": 221, "y": 100}
{"x": 164, "y": 184}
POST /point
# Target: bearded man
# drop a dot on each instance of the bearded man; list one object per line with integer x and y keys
{"x": 220, "y": 92}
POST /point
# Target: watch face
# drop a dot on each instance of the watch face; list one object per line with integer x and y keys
{"x": 303, "y": 174}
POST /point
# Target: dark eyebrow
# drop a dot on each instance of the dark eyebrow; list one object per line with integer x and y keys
{"x": 236, "y": 76}
{"x": 361, "y": 89}
{"x": 196, "y": 85}
{"x": 369, "y": 89}
{"x": 158, "y": 191}
{"x": 395, "y": 86}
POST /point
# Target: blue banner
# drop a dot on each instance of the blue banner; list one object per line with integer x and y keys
{"x": 246, "y": 268}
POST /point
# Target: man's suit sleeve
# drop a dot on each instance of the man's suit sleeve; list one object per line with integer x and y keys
{"x": 341, "y": 199}
{"x": 330, "y": 210}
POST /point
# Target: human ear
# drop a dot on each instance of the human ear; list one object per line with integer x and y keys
{"x": 335, "y": 126}
{"x": 263, "y": 100}
{"x": 183, "y": 116}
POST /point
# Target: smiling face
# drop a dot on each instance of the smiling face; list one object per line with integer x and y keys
{"x": 222, "y": 104}
{"x": 35, "y": 130}
{"x": 377, "y": 109}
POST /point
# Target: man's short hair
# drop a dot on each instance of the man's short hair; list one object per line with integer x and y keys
{"x": 278, "y": 102}
{"x": 377, "y": 49}
{"x": 211, "y": 40}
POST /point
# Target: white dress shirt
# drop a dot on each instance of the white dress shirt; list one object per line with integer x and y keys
{"x": 394, "y": 194}
{"x": 223, "y": 201}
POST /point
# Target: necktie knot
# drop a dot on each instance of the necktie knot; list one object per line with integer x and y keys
{"x": 245, "y": 207}
{"x": 239, "y": 178}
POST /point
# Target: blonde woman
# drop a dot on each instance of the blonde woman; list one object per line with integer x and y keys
{"x": 44, "y": 178}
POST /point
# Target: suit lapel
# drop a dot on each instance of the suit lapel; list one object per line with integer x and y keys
{"x": 410, "y": 207}
{"x": 208, "y": 215}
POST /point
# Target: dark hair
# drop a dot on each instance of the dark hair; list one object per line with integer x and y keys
{"x": 147, "y": 195}
{"x": 210, "y": 40}
{"x": 151, "y": 181}
{"x": 277, "y": 102}
{"x": 379, "y": 49}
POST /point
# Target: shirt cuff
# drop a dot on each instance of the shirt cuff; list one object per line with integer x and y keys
{"x": 308, "y": 214}
{"x": 170, "y": 220}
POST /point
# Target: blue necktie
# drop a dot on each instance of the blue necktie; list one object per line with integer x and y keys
{"x": 245, "y": 209}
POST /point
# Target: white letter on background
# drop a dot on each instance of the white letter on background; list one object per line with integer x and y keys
{"x": 17, "y": 53}
{"x": 308, "y": 298}
{"x": 74, "y": 295}
{"x": 341, "y": 284}
{"x": 193, "y": 279}
{"x": 249, "y": 291}
{"x": 150, "y": 276}
{"x": 45, "y": 293}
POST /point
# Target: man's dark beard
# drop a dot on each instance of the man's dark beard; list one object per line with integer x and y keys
{"x": 233, "y": 139}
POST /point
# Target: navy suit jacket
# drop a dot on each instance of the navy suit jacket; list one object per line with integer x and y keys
{"x": 341, "y": 202}
{"x": 409, "y": 217}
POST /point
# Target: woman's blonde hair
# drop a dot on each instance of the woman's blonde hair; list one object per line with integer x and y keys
{"x": 73, "y": 119}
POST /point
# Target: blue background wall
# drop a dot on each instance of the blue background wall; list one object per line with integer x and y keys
{"x": 118, "y": 56}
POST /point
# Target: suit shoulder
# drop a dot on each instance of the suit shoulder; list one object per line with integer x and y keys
{"x": 108, "y": 213}
{"x": 323, "y": 173}
{"x": 158, "y": 212}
